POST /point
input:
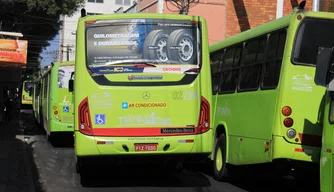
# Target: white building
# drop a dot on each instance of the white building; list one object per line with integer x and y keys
{"x": 93, "y": 7}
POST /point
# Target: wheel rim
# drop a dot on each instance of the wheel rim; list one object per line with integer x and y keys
{"x": 186, "y": 50}
{"x": 161, "y": 51}
{"x": 219, "y": 160}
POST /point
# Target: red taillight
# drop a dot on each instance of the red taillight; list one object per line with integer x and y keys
{"x": 286, "y": 110}
{"x": 85, "y": 125}
{"x": 288, "y": 122}
{"x": 55, "y": 112}
{"x": 204, "y": 116}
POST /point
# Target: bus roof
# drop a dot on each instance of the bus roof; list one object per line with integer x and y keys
{"x": 139, "y": 16}
{"x": 65, "y": 63}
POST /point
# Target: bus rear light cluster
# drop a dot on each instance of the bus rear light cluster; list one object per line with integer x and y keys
{"x": 84, "y": 118}
{"x": 286, "y": 111}
{"x": 288, "y": 122}
{"x": 291, "y": 133}
{"x": 204, "y": 116}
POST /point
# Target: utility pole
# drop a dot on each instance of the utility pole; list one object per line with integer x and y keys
{"x": 68, "y": 49}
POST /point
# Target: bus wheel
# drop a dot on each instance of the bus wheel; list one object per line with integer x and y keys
{"x": 77, "y": 168}
{"x": 219, "y": 164}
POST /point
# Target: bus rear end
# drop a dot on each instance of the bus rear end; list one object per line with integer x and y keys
{"x": 61, "y": 106}
{"x": 302, "y": 102}
{"x": 142, "y": 88}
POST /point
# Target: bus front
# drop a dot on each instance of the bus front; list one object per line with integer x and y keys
{"x": 142, "y": 88}
{"x": 26, "y": 95}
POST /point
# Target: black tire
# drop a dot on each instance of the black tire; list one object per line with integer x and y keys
{"x": 84, "y": 174}
{"x": 181, "y": 47}
{"x": 220, "y": 172}
{"x": 157, "y": 39}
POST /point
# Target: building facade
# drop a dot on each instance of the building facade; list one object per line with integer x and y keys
{"x": 226, "y": 18}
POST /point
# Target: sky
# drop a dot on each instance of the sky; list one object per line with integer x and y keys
{"x": 47, "y": 56}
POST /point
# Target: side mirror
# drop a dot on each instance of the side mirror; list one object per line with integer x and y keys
{"x": 71, "y": 85}
{"x": 323, "y": 66}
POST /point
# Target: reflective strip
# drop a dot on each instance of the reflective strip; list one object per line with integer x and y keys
{"x": 327, "y": 150}
{"x": 308, "y": 151}
{"x": 104, "y": 142}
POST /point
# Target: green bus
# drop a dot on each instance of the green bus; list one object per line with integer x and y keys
{"x": 142, "y": 89}
{"x": 268, "y": 110}
{"x": 26, "y": 94}
{"x": 53, "y": 103}
{"x": 324, "y": 77}
{"x": 35, "y": 94}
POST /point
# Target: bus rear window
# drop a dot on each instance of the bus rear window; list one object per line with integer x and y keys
{"x": 64, "y": 75}
{"x": 312, "y": 33}
{"x": 155, "y": 41}
{"x": 27, "y": 86}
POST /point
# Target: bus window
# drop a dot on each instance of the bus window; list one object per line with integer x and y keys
{"x": 312, "y": 33}
{"x": 252, "y": 64}
{"x": 276, "y": 44}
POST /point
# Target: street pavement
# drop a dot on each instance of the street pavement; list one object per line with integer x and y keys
{"x": 28, "y": 163}
{"x": 17, "y": 170}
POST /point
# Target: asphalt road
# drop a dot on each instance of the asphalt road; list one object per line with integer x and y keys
{"x": 56, "y": 171}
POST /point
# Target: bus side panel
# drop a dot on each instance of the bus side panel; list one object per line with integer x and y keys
{"x": 253, "y": 124}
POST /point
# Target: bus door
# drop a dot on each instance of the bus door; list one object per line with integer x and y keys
{"x": 325, "y": 77}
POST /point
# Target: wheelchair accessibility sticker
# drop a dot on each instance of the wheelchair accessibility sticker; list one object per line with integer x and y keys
{"x": 66, "y": 109}
{"x": 100, "y": 119}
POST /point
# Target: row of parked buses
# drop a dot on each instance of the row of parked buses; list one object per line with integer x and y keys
{"x": 144, "y": 89}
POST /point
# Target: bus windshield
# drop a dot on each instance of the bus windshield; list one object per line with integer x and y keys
{"x": 64, "y": 75}
{"x": 142, "y": 41}
{"x": 312, "y": 33}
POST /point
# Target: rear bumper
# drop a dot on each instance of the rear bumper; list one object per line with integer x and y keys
{"x": 158, "y": 159}
{"x": 282, "y": 149}
{"x": 56, "y": 126}
{"x": 125, "y": 146}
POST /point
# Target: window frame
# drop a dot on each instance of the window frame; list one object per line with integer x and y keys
{"x": 241, "y": 45}
{"x": 242, "y": 66}
{"x": 266, "y": 57}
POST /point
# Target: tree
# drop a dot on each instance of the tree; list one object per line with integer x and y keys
{"x": 183, "y": 6}
{"x": 37, "y": 20}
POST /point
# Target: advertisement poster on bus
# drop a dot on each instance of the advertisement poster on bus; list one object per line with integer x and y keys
{"x": 13, "y": 51}
{"x": 64, "y": 75}
{"x": 155, "y": 40}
